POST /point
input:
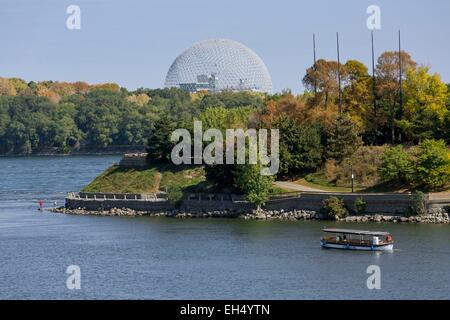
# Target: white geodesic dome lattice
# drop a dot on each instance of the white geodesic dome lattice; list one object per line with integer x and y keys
{"x": 226, "y": 64}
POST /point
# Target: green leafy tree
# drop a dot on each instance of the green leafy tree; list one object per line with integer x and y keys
{"x": 447, "y": 128}
{"x": 396, "y": 165}
{"x": 222, "y": 118}
{"x": 433, "y": 164}
{"x": 159, "y": 145}
{"x": 343, "y": 138}
{"x": 425, "y": 106}
{"x": 301, "y": 147}
{"x": 255, "y": 186}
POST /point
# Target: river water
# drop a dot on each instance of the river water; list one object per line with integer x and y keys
{"x": 163, "y": 258}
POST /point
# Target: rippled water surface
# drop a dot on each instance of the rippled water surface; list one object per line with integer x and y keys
{"x": 161, "y": 258}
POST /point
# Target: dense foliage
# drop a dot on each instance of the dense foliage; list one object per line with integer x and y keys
{"x": 321, "y": 129}
{"x": 427, "y": 166}
{"x": 62, "y": 117}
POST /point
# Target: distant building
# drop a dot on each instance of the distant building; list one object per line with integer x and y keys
{"x": 219, "y": 65}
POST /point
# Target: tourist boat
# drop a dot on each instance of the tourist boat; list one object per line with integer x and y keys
{"x": 357, "y": 240}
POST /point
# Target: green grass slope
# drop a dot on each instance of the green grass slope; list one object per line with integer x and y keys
{"x": 158, "y": 177}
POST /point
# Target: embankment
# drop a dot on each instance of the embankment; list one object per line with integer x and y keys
{"x": 297, "y": 206}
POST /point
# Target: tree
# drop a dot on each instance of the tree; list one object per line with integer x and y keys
{"x": 43, "y": 91}
{"x": 159, "y": 146}
{"x": 433, "y": 164}
{"x": 334, "y": 208}
{"x": 358, "y": 98}
{"x": 342, "y": 139}
{"x": 19, "y": 85}
{"x": 6, "y": 87}
{"x": 396, "y": 166}
{"x": 255, "y": 186}
{"x": 301, "y": 148}
{"x": 106, "y": 86}
{"x": 139, "y": 99}
{"x": 425, "y": 106}
{"x": 323, "y": 79}
{"x": 294, "y": 107}
{"x": 98, "y": 115}
{"x": 447, "y": 128}
{"x": 388, "y": 90}
{"x": 222, "y": 118}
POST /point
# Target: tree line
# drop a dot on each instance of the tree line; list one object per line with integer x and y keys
{"x": 62, "y": 117}
{"x": 317, "y": 126}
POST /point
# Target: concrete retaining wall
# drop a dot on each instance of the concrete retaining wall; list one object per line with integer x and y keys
{"x": 134, "y": 160}
{"x": 102, "y": 204}
{"x": 436, "y": 201}
{"x": 376, "y": 203}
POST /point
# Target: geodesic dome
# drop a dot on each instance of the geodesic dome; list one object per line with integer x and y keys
{"x": 219, "y": 65}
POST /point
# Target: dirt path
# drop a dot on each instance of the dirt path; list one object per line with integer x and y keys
{"x": 158, "y": 177}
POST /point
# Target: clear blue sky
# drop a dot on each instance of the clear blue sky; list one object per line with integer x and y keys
{"x": 134, "y": 42}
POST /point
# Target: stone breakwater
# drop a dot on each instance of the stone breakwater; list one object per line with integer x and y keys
{"x": 437, "y": 216}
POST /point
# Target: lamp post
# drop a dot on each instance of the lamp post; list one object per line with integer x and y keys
{"x": 353, "y": 178}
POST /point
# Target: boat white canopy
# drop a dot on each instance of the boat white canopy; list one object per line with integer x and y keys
{"x": 358, "y": 232}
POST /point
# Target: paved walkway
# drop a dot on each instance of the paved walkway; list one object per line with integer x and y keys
{"x": 298, "y": 187}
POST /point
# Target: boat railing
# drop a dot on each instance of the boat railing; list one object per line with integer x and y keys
{"x": 352, "y": 241}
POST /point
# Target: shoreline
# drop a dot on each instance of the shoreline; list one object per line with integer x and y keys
{"x": 112, "y": 152}
{"x": 44, "y": 155}
{"x": 438, "y": 216}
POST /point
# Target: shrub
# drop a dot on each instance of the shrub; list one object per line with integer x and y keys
{"x": 418, "y": 206}
{"x": 360, "y": 206}
{"x": 334, "y": 208}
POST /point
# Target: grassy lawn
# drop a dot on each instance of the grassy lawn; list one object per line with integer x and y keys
{"x": 278, "y": 190}
{"x": 116, "y": 179}
{"x": 325, "y": 187}
{"x": 159, "y": 177}
{"x": 318, "y": 181}
{"x": 185, "y": 178}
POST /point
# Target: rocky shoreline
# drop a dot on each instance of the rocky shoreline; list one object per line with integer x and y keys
{"x": 438, "y": 216}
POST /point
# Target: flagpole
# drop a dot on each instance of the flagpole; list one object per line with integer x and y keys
{"x": 401, "y": 71}
{"x": 375, "y": 111}
{"x": 339, "y": 72}
{"x": 401, "y": 77}
{"x": 315, "y": 61}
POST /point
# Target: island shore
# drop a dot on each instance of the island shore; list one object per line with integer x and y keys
{"x": 438, "y": 216}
